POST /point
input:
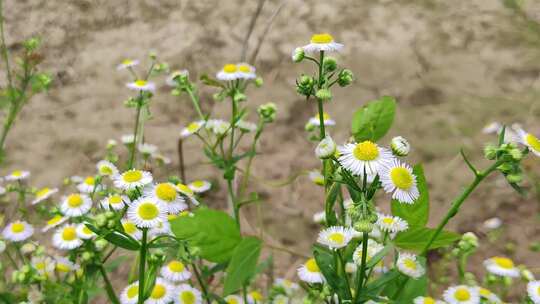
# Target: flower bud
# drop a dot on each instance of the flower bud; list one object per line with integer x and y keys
{"x": 363, "y": 226}
{"x": 309, "y": 127}
{"x": 259, "y": 82}
{"x": 326, "y": 148}
{"x": 305, "y": 85}
{"x": 323, "y": 94}
{"x": 28, "y": 248}
{"x": 109, "y": 214}
{"x": 267, "y": 112}
{"x": 345, "y": 78}
{"x": 400, "y": 146}
{"x": 298, "y": 54}
{"x": 514, "y": 178}
{"x": 100, "y": 244}
{"x": 86, "y": 256}
{"x": 516, "y": 154}
{"x": 239, "y": 97}
{"x": 101, "y": 220}
{"x": 527, "y": 275}
{"x": 490, "y": 152}
{"x": 329, "y": 64}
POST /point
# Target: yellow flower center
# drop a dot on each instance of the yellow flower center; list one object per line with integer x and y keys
{"x": 56, "y": 219}
{"x": 401, "y": 178}
{"x": 166, "y": 192}
{"x": 140, "y": 83}
{"x": 176, "y": 266}
{"x": 86, "y": 230}
{"x": 326, "y": 116}
{"x": 90, "y": 181}
{"x": 429, "y": 300}
{"x": 129, "y": 227}
{"x": 257, "y": 296}
{"x": 132, "y": 176}
{"x": 484, "y": 292}
{"x": 462, "y": 294}
{"x": 193, "y": 127}
{"x": 40, "y": 265}
{"x": 502, "y": 262}
{"x": 62, "y": 267}
{"x": 244, "y": 68}
{"x": 133, "y": 291}
{"x": 533, "y": 142}
{"x": 74, "y": 200}
{"x": 229, "y": 68}
{"x": 388, "y": 220}
{"x": 127, "y": 61}
{"x": 171, "y": 216}
{"x": 312, "y": 266}
{"x": 115, "y": 199}
{"x": 158, "y": 292}
{"x": 185, "y": 189}
{"x": 538, "y": 291}
{"x": 198, "y": 183}
{"x": 187, "y": 297}
{"x": 337, "y": 238}
{"x": 17, "y": 227}
{"x": 232, "y": 300}
{"x": 366, "y": 151}
{"x": 148, "y": 211}
{"x": 105, "y": 170}
{"x": 43, "y": 192}
{"x": 322, "y": 38}
{"x": 410, "y": 263}
{"x": 16, "y": 173}
{"x": 69, "y": 234}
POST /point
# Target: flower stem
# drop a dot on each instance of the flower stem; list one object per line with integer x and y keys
{"x": 195, "y": 101}
{"x": 132, "y": 153}
{"x": 108, "y": 285}
{"x": 142, "y": 264}
{"x": 201, "y": 282}
{"x": 360, "y": 275}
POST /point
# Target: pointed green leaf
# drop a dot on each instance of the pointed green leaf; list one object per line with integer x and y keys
{"x": 417, "y": 213}
{"x": 243, "y": 264}
{"x": 415, "y": 238}
{"x": 372, "y": 121}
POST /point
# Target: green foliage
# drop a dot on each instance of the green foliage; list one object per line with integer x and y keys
{"x": 117, "y": 238}
{"x": 243, "y": 264}
{"x": 415, "y": 238}
{"x": 213, "y": 231}
{"x": 326, "y": 262}
{"x": 372, "y": 121}
{"x": 416, "y": 214}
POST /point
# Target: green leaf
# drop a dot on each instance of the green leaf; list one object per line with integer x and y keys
{"x": 415, "y": 238}
{"x": 243, "y": 264}
{"x": 372, "y": 121}
{"x": 325, "y": 261}
{"x": 416, "y": 214}
{"x": 380, "y": 255}
{"x": 330, "y": 202}
{"x": 117, "y": 238}
{"x": 213, "y": 231}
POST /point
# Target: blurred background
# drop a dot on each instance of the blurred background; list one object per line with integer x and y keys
{"x": 454, "y": 66}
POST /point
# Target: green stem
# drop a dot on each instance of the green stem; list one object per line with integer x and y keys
{"x": 201, "y": 283}
{"x": 341, "y": 267}
{"x": 142, "y": 264}
{"x": 4, "y": 47}
{"x": 360, "y": 275}
{"x": 235, "y": 207}
{"x": 195, "y": 102}
{"x": 108, "y": 285}
{"x": 133, "y": 151}
{"x": 181, "y": 164}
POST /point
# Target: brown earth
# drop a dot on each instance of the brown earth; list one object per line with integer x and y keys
{"x": 453, "y": 66}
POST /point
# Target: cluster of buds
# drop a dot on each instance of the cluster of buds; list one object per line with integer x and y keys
{"x": 363, "y": 217}
{"x": 267, "y": 112}
{"x": 512, "y": 156}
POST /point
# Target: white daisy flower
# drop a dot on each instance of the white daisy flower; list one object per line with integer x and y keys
{"x": 162, "y": 293}
{"x": 75, "y": 205}
{"x": 409, "y": 265}
{"x": 533, "y": 290}
{"x": 246, "y": 71}
{"x": 43, "y": 265}
{"x": 130, "y": 294}
{"x": 64, "y": 265}
{"x": 147, "y": 212}
{"x": 187, "y": 192}
{"x": 84, "y": 232}
{"x": 218, "y": 126}
{"x": 186, "y": 294}
{"x": 54, "y": 221}
{"x": 167, "y": 194}
{"x": 127, "y": 63}
{"x": 319, "y": 217}
{"x": 287, "y": 285}
{"x": 170, "y": 80}
{"x": 199, "y": 186}
{"x": 17, "y": 231}
{"x": 327, "y": 120}
{"x": 255, "y": 297}
{"x": 489, "y": 296}
{"x": 492, "y": 128}
{"x": 147, "y": 149}
{"x": 532, "y": 142}
{"x": 309, "y": 272}
{"x": 66, "y": 237}
{"x": 115, "y": 202}
{"x": 141, "y": 85}
{"x": 365, "y": 156}
{"x": 132, "y": 179}
{"x": 192, "y": 128}
{"x": 373, "y": 248}
{"x": 161, "y": 159}
{"x": 398, "y": 178}
{"x": 233, "y": 299}
{"x": 335, "y": 237}
{"x": 461, "y": 294}
{"x": 106, "y": 168}
{"x": 246, "y": 126}
{"x": 391, "y": 224}
{"x": 163, "y": 228}
{"x": 426, "y": 300}
{"x": 280, "y": 299}
{"x": 88, "y": 185}
{"x": 131, "y": 229}
{"x": 501, "y": 266}
{"x": 127, "y": 139}
{"x": 111, "y": 143}
{"x": 43, "y": 194}
{"x": 175, "y": 271}
{"x": 17, "y": 175}
{"x": 316, "y": 177}
{"x": 322, "y": 42}
{"x": 228, "y": 72}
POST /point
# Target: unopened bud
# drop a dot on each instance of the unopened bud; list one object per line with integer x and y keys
{"x": 345, "y": 78}
{"x": 329, "y": 64}
{"x": 326, "y": 148}
{"x": 323, "y": 94}
{"x": 400, "y": 146}
{"x": 298, "y": 54}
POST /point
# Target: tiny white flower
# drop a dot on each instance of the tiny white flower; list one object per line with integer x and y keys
{"x": 501, "y": 266}
{"x": 255, "y": 297}
{"x": 127, "y": 63}
{"x": 141, "y": 85}
{"x": 167, "y": 194}
{"x": 287, "y": 285}
{"x": 84, "y": 232}
{"x": 130, "y": 294}
{"x": 131, "y": 229}
{"x": 66, "y": 238}
{"x": 398, "y": 179}
{"x": 89, "y": 185}
{"x": 228, "y": 72}
{"x": 319, "y": 217}
{"x": 408, "y": 264}
{"x": 132, "y": 179}
{"x": 17, "y": 175}
{"x": 365, "y": 157}
{"x": 54, "y": 222}
{"x": 492, "y": 128}
{"x": 327, "y": 120}
{"x": 234, "y": 299}
{"x": 200, "y": 186}
{"x": 162, "y": 293}
{"x": 373, "y": 247}
{"x": 391, "y": 224}
{"x": 316, "y": 177}
{"x": 162, "y": 228}
{"x": 175, "y": 271}
{"x": 170, "y": 80}
{"x": 128, "y": 139}
{"x": 489, "y": 296}
{"x": 64, "y": 265}
{"x": 533, "y": 290}
{"x": 115, "y": 202}
{"x": 426, "y": 300}
{"x": 335, "y": 237}
{"x": 461, "y": 294}
{"x": 17, "y": 231}
{"x": 192, "y": 128}
{"x": 322, "y": 42}
{"x": 187, "y": 193}
{"x": 246, "y": 126}
{"x": 246, "y": 71}
{"x": 43, "y": 265}
{"x": 309, "y": 272}
{"x": 280, "y": 299}
{"x": 106, "y": 168}
{"x": 75, "y": 205}
{"x": 186, "y": 294}
{"x": 218, "y": 126}
{"x": 532, "y": 142}
{"x": 147, "y": 212}
{"x": 43, "y": 194}
{"x": 326, "y": 148}
{"x": 147, "y": 149}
